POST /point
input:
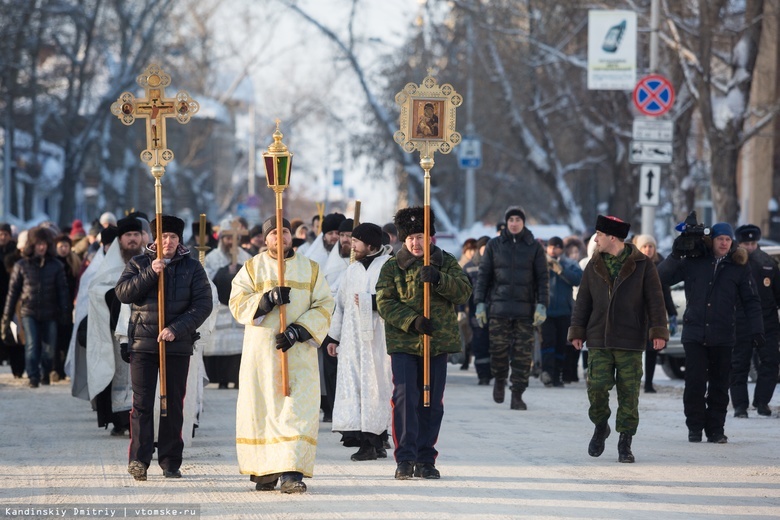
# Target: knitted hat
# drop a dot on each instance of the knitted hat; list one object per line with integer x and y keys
{"x": 722, "y": 229}
{"x": 642, "y": 240}
{"x": 331, "y": 222}
{"x": 128, "y": 225}
{"x": 170, "y": 224}
{"x": 514, "y": 211}
{"x": 108, "y": 218}
{"x": 346, "y": 226}
{"x": 610, "y": 225}
{"x": 369, "y": 233}
{"x": 409, "y": 221}
{"x": 77, "y": 230}
{"x": 748, "y": 233}
{"x": 270, "y": 225}
{"x": 5, "y": 226}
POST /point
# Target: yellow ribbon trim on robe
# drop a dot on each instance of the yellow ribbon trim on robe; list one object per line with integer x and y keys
{"x": 276, "y": 440}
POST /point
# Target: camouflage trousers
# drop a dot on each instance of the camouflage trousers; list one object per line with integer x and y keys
{"x": 607, "y": 368}
{"x": 511, "y": 344}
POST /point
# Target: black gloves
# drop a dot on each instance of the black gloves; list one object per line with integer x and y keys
{"x": 428, "y": 273}
{"x": 292, "y": 334}
{"x": 423, "y": 325}
{"x": 679, "y": 247}
{"x": 124, "y": 352}
{"x": 274, "y": 297}
{"x": 759, "y": 340}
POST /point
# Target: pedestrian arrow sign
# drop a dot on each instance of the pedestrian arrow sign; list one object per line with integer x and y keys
{"x": 649, "y": 184}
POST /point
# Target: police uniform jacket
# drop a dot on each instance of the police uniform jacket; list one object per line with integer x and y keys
{"x": 712, "y": 290}
{"x": 616, "y": 314}
{"x": 767, "y": 277}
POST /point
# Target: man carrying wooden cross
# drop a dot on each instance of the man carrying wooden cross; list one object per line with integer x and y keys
{"x": 223, "y": 357}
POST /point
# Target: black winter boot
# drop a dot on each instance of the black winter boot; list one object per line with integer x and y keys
{"x": 624, "y": 448}
{"x": 600, "y": 434}
{"x": 517, "y": 401}
{"x": 499, "y": 389}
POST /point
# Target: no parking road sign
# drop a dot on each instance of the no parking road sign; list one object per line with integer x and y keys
{"x": 653, "y": 95}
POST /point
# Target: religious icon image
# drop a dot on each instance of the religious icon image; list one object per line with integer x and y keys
{"x": 426, "y": 119}
{"x": 127, "y": 108}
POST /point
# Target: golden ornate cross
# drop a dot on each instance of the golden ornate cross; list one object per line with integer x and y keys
{"x": 155, "y": 108}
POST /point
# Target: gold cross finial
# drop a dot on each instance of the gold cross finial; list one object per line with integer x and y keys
{"x": 430, "y": 71}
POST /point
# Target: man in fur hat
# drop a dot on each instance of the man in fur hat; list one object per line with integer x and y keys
{"x": 276, "y": 436}
{"x": 511, "y": 295}
{"x": 38, "y": 282}
{"x": 400, "y": 302}
{"x": 188, "y": 303}
{"x": 715, "y": 283}
{"x": 619, "y": 304}
{"x": 767, "y": 277}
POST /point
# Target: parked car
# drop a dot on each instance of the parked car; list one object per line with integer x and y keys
{"x": 672, "y": 358}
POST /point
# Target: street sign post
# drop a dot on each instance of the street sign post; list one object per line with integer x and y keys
{"x": 470, "y": 153}
{"x": 650, "y": 152}
{"x": 649, "y": 184}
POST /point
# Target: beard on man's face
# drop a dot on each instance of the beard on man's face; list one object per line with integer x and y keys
{"x": 132, "y": 249}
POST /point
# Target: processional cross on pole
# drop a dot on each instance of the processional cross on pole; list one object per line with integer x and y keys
{"x": 155, "y": 108}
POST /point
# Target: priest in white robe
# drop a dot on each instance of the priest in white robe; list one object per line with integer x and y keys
{"x": 357, "y": 336}
{"x": 223, "y": 355}
{"x": 276, "y": 436}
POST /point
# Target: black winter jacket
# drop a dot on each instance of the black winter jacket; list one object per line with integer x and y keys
{"x": 187, "y": 302}
{"x": 513, "y": 276}
{"x": 712, "y": 294}
{"x": 767, "y": 277}
{"x": 38, "y": 283}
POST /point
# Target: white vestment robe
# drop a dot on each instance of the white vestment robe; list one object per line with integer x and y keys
{"x": 364, "y": 384}
{"x": 229, "y": 334}
{"x": 104, "y": 362}
{"x": 334, "y": 268}
{"x": 277, "y": 434}
{"x": 317, "y": 252}
{"x": 76, "y": 361}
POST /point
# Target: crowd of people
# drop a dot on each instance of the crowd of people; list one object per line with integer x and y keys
{"x": 338, "y": 335}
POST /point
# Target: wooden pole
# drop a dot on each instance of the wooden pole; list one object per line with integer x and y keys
{"x": 282, "y": 310}
{"x": 355, "y": 223}
{"x": 427, "y": 163}
{"x": 157, "y": 172}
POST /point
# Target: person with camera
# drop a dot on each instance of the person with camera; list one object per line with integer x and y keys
{"x": 767, "y": 277}
{"x": 717, "y": 277}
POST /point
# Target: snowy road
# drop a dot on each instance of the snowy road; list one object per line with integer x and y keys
{"x": 495, "y": 463}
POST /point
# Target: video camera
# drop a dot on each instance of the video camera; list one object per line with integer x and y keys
{"x": 690, "y": 244}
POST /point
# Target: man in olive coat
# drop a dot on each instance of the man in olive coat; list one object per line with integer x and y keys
{"x": 620, "y": 303}
{"x": 399, "y": 299}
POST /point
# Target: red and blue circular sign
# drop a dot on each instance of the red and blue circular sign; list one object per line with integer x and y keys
{"x": 653, "y": 95}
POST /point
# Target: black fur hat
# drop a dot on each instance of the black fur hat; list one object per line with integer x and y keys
{"x": 409, "y": 221}
{"x": 170, "y": 224}
{"x": 128, "y": 224}
{"x": 612, "y": 226}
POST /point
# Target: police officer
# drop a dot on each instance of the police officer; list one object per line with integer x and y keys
{"x": 767, "y": 277}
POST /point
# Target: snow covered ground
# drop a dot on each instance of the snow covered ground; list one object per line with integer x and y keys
{"x": 495, "y": 463}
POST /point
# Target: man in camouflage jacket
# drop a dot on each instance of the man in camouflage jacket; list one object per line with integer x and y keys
{"x": 400, "y": 302}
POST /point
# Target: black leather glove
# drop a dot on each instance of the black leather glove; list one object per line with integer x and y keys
{"x": 124, "y": 352}
{"x": 274, "y": 297}
{"x": 292, "y": 334}
{"x": 758, "y": 340}
{"x": 430, "y": 274}
{"x": 423, "y": 325}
